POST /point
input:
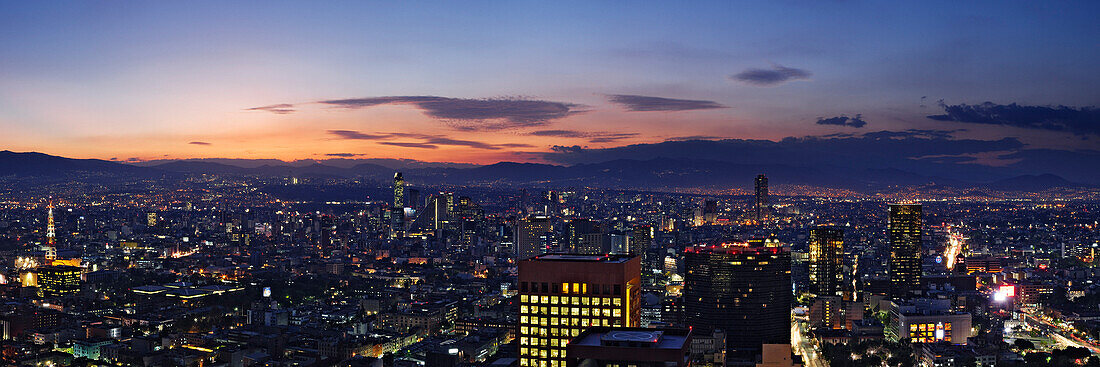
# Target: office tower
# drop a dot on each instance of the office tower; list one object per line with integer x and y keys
{"x": 905, "y": 240}
{"x": 710, "y": 211}
{"x": 741, "y": 288}
{"x": 151, "y": 219}
{"x": 562, "y": 295}
{"x": 641, "y": 239}
{"x": 414, "y": 198}
{"x": 398, "y": 191}
{"x": 575, "y": 229}
{"x": 56, "y": 280}
{"x": 595, "y": 243}
{"x": 328, "y": 228}
{"x": 533, "y": 236}
{"x": 601, "y": 346}
{"x": 763, "y": 205}
{"x": 397, "y": 222}
{"x": 827, "y": 261}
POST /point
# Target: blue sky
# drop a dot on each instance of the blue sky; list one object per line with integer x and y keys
{"x": 147, "y": 80}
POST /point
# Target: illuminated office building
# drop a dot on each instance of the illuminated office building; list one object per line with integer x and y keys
{"x": 827, "y": 261}
{"x": 562, "y": 295}
{"x": 741, "y": 288}
{"x": 56, "y": 280}
{"x": 533, "y": 236}
{"x": 904, "y": 233}
{"x": 398, "y": 190}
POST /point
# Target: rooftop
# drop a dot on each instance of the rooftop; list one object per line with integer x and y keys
{"x": 609, "y": 258}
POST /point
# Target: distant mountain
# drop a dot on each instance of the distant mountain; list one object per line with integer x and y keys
{"x": 32, "y": 164}
{"x": 649, "y": 174}
{"x": 1032, "y": 183}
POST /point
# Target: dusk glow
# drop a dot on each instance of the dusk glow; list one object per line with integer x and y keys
{"x": 159, "y": 80}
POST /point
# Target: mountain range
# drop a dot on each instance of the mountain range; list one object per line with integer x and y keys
{"x": 649, "y": 174}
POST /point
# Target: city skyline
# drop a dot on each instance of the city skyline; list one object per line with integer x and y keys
{"x": 482, "y": 84}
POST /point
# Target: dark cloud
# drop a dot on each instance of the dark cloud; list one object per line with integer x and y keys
{"x": 281, "y": 109}
{"x": 1080, "y": 121}
{"x": 409, "y": 144}
{"x": 434, "y": 141}
{"x": 842, "y": 120}
{"x": 894, "y": 150}
{"x": 778, "y": 74}
{"x": 472, "y": 114}
{"x": 200, "y": 143}
{"x": 695, "y": 137}
{"x": 355, "y": 135}
{"x": 346, "y": 155}
{"x": 567, "y": 149}
{"x": 646, "y": 103}
{"x": 914, "y": 133}
{"x": 593, "y": 137}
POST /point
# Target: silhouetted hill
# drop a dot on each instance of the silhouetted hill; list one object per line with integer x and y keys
{"x": 656, "y": 173}
{"x": 1032, "y": 183}
{"x": 44, "y": 165}
{"x": 200, "y": 167}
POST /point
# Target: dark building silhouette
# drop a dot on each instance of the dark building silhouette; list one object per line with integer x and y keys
{"x": 743, "y": 289}
{"x": 763, "y": 203}
{"x": 827, "y": 261}
{"x": 904, "y": 232}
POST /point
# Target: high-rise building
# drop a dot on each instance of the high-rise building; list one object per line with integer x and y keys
{"x": 56, "y": 280}
{"x": 710, "y": 211}
{"x": 763, "y": 203}
{"x": 534, "y": 236}
{"x": 904, "y": 232}
{"x": 151, "y": 219}
{"x": 562, "y": 295}
{"x": 641, "y": 239}
{"x": 328, "y": 228}
{"x": 742, "y": 289}
{"x": 575, "y": 229}
{"x": 398, "y": 190}
{"x": 826, "y": 261}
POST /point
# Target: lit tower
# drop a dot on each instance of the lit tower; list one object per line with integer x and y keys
{"x": 827, "y": 261}
{"x": 763, "y": 205}
{"x": 51, "y": 236}
{"x": 904, "y": 232}
{"x": 398, "y": 191}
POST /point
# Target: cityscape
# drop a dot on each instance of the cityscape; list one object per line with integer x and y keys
{"x": 500, "y": 185}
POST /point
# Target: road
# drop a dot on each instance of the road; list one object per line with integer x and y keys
{"x": 1063, "y": 337}
{"x": 803, "y": 346}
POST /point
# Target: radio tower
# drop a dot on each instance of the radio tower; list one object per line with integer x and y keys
{"x": 51, "y": 236}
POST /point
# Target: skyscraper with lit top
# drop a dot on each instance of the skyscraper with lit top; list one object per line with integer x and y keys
{"x": 904, "y": 232}
{"x": 741, "y": 288}
{"x": 562, "y": 295}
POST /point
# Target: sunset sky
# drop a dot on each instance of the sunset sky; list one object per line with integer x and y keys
{"x": 482, "y": 82}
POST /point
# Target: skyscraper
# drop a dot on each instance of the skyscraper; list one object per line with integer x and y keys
{"x": 562, "y": 295}
{"x": 905, "y": 240}
{"x": 827, "y": 261}
{"x": 763, "y": 205}
{"x": 741, "y": 288}
{"x": 398, "y": 190}
{"x": 640, "y": 240}
{"x": 397, "y": 212}
{"x": 533, "y": 236}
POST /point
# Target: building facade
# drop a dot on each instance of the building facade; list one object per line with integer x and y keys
{"x": 562, "y": 295}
